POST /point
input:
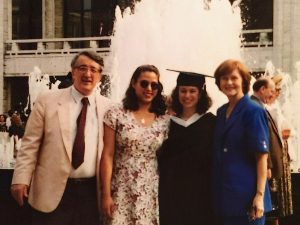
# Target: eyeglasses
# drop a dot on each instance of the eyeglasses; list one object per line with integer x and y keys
{"x": 85, "y": 69}
{"x": 154, "y": 85}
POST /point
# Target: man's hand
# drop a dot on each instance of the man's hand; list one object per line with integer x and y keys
{"x": 19, "y": 192}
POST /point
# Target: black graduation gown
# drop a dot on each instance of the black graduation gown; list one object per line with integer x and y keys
{"x": 185, "y": 162}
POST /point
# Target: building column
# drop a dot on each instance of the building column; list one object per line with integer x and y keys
{"x": 295, "y": 30}
{"x": 48, "y": 15}
{"x": 2, "y": 24}
{"x": 287, "y": 35}
{"x": 48, "y": 19}
{"x": 59, "y": 19}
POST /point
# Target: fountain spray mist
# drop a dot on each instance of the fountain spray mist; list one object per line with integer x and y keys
{"x": 193, "y": 35}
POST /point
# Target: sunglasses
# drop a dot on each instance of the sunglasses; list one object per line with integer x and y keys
{"x": 154, "y": 85}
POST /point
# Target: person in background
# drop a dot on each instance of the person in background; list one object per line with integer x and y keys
{"x": 264, "y": 90}
{"x": 3, "y": 127}
{"x": 133, "y": 132}
{"x": 57, "y": 165}
{"x": 240, "y": 189}
{"x": 8, "y": 121}
{"x": 282, "y": 185}
{"x": 185, "y": 158}
{"x": 16, "y": 130}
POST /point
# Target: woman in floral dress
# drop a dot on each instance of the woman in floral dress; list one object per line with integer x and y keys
{"x": 132, "y": 134}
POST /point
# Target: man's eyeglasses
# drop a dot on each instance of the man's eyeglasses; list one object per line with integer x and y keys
{"x": 154, "y": 85}
{"x": 85, "y": 69}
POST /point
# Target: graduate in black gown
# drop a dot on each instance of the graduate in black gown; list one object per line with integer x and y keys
{"x": 185, "y": 158}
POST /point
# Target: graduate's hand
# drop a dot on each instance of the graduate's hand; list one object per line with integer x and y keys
{"x": 108, "y": 206}
{"x": 19, "y": 192}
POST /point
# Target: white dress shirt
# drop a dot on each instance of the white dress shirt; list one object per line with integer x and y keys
{"x": 88, "y": 167}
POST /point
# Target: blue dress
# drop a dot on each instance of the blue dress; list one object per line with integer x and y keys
{"x": 236, "y": 141}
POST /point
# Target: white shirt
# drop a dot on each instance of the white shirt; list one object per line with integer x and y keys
{"x": 88, "y": 167}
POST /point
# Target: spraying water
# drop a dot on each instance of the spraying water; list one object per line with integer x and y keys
{"x": 193, "y": 36}
{"x": 38, "y": 83}
{"x": 292, "y": 109}
{"x": 287, "y": 107}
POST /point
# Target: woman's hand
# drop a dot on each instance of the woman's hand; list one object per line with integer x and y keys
{"x": 257, "y": 210}
{"x": 108, "y": 206}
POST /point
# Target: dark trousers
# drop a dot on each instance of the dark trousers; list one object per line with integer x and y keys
{"x": 241, "y": 220}
{"x": 10, "y": 212}
{"x": 78, "y": 206}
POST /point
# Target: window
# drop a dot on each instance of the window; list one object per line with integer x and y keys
{"x": 257, "y": 17}
{"x": 26, "y": 20}
{"x": 88, "y": 18}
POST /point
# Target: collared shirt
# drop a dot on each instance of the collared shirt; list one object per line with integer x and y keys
{"x": 88, "y": 167}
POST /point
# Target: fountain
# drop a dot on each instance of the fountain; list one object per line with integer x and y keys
{"x": 288, "y": 107}
{"x": 292, "y": 110}
{"x": 7, "y": 160}
{"x": 37, "y": 83}
{"x": 175, "y": 34}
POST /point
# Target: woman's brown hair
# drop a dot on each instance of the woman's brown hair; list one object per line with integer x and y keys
{"x": 230, "y": 65}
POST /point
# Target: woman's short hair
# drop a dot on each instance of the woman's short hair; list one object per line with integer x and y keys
{"x": 203, "y": 105}
{"x": 229, "y": 66}
{"x": 130, "y": 101}
{"x": 278, "y": 79}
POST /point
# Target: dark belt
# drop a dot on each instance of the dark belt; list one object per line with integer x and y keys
{"x": 82, "y": 181}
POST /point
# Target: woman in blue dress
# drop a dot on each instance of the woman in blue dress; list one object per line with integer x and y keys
{"x": 241, "y": 193}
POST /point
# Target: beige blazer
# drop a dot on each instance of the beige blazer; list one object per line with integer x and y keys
{"x": 44, "y": 160}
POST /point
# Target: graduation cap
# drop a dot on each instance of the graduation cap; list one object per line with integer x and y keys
{"x": 190, "y": 78}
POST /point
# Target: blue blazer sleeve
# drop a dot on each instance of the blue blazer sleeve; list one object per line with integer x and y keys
{"x": 257, "y": 130}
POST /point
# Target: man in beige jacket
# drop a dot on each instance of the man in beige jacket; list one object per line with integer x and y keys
{"x": 59, "y": 190}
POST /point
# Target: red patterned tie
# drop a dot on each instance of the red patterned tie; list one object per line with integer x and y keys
{"x": 78, "y": 147}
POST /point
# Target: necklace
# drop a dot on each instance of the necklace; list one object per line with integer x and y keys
{"x": 143, "y": 121}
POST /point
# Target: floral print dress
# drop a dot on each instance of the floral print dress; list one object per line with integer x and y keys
{"x": 134, "y": 181}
